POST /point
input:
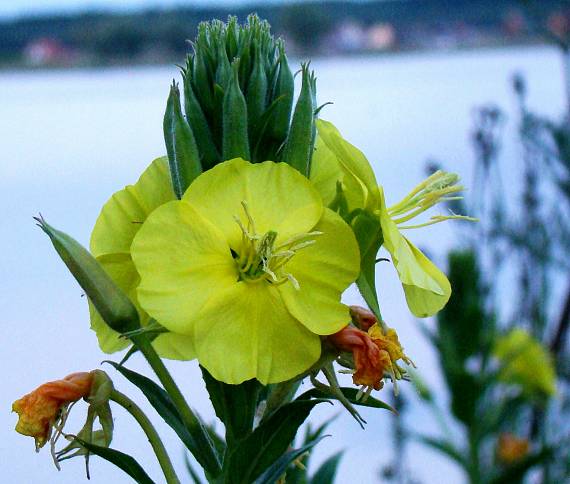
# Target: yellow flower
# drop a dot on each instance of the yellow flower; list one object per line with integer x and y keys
{"x": 526, "y": 362}
{"x": 39, "y": 410}
{"x": 251, "y": 266}
{"x": 120, "y": 219}
{"x": 335, "y": 160}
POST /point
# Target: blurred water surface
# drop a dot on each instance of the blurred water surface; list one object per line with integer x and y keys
{"x": 69, "y": 139}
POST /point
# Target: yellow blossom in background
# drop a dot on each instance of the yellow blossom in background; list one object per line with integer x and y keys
{"x": 525, "y": 362}
{"x": 39, "y": 410}
{"x": 336, "y": 161}
{"x": 121, "y": 218}
{"x": 251, "y": 266}
{"x": 511, "y": 449}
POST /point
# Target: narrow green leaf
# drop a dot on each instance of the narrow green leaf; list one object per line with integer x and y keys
{"x": 235, "y": 137}
{"x": 109, "y": 300}
{"x": 279, "y": 467}
{"x": 183, "y": 155}
{"x": 268, "y": 442}
{"x": 298, "y": 148}
{"x": 368, "y": 234}
{"x": 445, "y": 447}
{"x": 350, "y": 394}
{"x": 235, "y": 405}
{"x": 162, "y": 403}
{"x": 123, "y": 461}
{"x": 193, "y": 474}
{"x": 327, "y": 471}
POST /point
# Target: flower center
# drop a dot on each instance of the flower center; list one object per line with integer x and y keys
{"x": 261, "y": 259}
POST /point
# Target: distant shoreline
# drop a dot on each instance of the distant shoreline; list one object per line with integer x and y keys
{"x": 21, "y": 67}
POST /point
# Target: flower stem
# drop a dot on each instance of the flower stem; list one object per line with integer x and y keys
{"x": 152, "y": 435}
{"x": 209, "y": 460}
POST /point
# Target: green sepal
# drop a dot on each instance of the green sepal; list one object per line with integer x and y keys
{"x": 298, "y": 148}
{"x": 368, "y": 234}
{"x": 201, "y": 80}
{"x": 279, "y": 467}
{"x": 197, "y": 121}
{"x": 192, "y": 438}
{"x": 234, "y": 124}
{"x": 183, "y": 155}
{"x": 123, "y": 461}
{"x": 268, "y": 442}
{"x": 114, "y": 306}
{"x": 235, "y": 405}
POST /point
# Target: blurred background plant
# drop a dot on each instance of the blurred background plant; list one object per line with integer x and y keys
{"x": 502, "y": 338}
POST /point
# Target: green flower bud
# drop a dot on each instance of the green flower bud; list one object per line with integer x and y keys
{"x": 183, "y": 156}
{"x": 237, "y": 80}
{"x": 301, "y": 139}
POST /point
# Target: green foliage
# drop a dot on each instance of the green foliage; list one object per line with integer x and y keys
{"x": 235, "y": 405}
{"x": 267, "y": 443}
{"x": 123, "y": 461}
{"x": 192, "y": 438}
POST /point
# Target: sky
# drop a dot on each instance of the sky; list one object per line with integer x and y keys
{"x": 10, "y": 8}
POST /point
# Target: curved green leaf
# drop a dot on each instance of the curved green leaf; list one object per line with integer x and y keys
{"x": 268, "y": 442}
{"x": 123, "y": 461}
{"x": 350, "y": 394}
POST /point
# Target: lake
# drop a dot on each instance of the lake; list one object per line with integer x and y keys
{"x": 69, "y": 139}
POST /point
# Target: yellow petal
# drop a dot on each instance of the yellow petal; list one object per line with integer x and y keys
{"x": 325, "y": 172}
{"x": 526, "y": 362}
{"x": 324, "y": 270}
{"x": 359, "y": 181}
{"x": 183, "y": 261}
{"x": 278, "y": 197}
{"x": 246, "y": 332}
{"x": 174, "y": 346}
{"x": 426, "y": 287}
{"x": 123, "y": 273}
{"x": 122, "y": 270}
{"x": 124, "y": 213}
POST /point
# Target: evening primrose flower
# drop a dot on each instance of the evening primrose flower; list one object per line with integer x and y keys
{"x": 251, "y": 266}
{"x": 336, "y": 161}
{"x": 121, "y": 218}
{"x": 525, "y": 362}
{"x": 39, "y": 410}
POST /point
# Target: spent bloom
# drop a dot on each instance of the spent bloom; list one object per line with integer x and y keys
{"x": 341, "y": 170}
{"x": 375, "y": 352}
{"x": 251, "y": 266}
{"x": 39, "y": 411}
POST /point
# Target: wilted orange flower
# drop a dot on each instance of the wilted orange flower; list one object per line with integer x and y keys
{"x": 369, "y": 362}
{"x": 511, "y": 448}
{"x": 39, "y": 410}
{"x": 375, "y": 353}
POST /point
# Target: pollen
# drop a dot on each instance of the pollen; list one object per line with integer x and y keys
{"x": 260, "y": 258}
